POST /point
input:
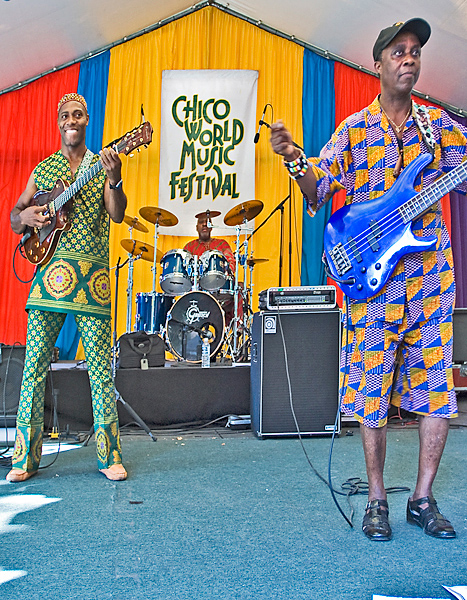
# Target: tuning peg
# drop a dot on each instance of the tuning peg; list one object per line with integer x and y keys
{"x": 131, "y": 155}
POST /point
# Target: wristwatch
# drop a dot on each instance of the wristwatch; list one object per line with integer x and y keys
{"x": 116, "y": 186}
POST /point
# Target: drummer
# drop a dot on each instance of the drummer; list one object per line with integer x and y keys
{"x": 206, "y": 242}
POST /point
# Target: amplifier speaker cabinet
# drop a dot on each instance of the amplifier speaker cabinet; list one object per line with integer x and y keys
{"x": 312, "y": 343}
{"x": 459, "y": 327}
{"x": 11, "y": 374}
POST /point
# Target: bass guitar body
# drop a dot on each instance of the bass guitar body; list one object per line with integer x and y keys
{"x": 41, "y": 244}
{"x": 364, "y": 242}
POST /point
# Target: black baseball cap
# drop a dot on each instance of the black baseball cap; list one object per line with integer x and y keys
{"x": 418, "y": 26}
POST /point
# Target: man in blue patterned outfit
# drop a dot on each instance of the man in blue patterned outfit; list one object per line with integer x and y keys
{"x": 409, "y": 322}
{"x": 75, "y": 280}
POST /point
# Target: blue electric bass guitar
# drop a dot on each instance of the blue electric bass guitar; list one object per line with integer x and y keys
{"x": 363, "y": 242}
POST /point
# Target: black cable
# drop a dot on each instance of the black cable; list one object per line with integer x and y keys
{"x": 19, "y": 247}
{"x": 353, "y": 485}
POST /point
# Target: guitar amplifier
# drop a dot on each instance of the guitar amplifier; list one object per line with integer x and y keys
{"x": 304, "y": 297}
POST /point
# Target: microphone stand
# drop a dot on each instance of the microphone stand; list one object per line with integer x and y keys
{"x": 280, "y": 207}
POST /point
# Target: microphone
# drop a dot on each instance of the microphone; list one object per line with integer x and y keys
{"x": 208, "y": 219}
{"x": 261, "y": 123}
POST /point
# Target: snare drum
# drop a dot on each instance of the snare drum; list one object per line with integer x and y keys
{"x": 177, "y": 272}
{"x": 214, "y": 270}
{"x": 145, "y": 321}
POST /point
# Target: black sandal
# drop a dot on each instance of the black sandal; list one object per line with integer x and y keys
{"x": 429, "y": 519}
{"x": 376, "y": 521}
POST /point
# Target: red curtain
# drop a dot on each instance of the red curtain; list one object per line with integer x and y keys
{"x": 28, "y": 134}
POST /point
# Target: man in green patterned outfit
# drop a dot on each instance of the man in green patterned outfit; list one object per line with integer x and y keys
{"x": 75, "y": 280}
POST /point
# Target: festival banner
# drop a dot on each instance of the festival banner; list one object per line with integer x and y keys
{"x": 207, "y": 150}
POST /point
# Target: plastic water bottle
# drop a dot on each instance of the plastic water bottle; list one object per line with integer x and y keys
{"x": 205, "y": 358}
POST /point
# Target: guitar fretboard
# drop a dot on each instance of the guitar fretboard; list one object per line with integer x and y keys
{"x": 426, "y": 198}
{"x": 76, "y": 185}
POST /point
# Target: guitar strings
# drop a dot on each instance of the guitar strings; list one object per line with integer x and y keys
{"x": 359, "y": 244}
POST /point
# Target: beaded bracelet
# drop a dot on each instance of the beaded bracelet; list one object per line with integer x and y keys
{"x": 298, "y": 167}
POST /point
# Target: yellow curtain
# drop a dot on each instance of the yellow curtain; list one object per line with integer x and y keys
{"x": 206, "y": 39}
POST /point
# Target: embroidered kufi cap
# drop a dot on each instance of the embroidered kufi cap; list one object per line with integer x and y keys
{"x": 73, "y": 97}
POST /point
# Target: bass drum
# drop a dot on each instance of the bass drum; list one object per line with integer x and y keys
{"x": 190, "y": 316}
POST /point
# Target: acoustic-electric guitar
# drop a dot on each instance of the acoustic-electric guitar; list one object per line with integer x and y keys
{"x": 363, "y": 242}
{"x": 40, "y": 244}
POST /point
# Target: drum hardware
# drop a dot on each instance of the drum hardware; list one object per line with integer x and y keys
{"x": 175, "y": 278}
{"x": 151, "y": 311}
{"x": 238, "y": 216}
{"x": 135, "y": 223}
{"x": 159, "y": 217}
{"x": 207, "y": 214}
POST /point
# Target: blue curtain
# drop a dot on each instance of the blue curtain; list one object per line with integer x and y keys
{"x": 92, "y": 84}
{"x": 318, "y": 117}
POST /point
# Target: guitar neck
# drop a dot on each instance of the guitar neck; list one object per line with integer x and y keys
{"x": 426, "y": 198}
{"x": 77, "y": 185}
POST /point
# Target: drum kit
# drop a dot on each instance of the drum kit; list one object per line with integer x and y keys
{"x": 201, "y": 299}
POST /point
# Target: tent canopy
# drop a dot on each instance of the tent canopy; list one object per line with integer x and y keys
{"x": 37, "y": 36}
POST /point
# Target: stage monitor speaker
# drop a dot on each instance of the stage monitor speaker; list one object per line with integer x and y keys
{"x": 312, "y": 342}
{"x": 11, "y": 374}
{"x": 459, "y": 326}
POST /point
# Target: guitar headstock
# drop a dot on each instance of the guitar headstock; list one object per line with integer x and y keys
{"x": 140, "y": 136}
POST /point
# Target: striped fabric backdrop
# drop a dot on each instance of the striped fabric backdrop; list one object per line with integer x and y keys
{"x": 311, "y": 94}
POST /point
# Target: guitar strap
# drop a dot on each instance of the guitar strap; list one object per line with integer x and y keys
{"x": 422, "y": 118}
{"x": 85, "y": 163}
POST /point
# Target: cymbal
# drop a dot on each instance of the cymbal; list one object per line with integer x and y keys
{"x": 251, "y": 262}
{"x": 154, "y": 214}
{"x": 204, "y": 214}
{"x": 135, "y": 223}
{"x": 137, "y": 248}
{"x": 243, "y": 212}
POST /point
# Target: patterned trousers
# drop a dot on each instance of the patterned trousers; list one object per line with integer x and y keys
{"x": 42, "y": 333}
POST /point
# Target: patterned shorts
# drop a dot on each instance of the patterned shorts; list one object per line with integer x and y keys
{"x": 419, "y": 356}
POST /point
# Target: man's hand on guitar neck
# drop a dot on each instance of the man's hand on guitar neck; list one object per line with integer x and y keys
{"x": 114, "y": 197}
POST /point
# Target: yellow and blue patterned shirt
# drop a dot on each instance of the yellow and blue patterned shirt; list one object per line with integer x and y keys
{"x": 76, "y": 279}
{"x": 360, "y": 158}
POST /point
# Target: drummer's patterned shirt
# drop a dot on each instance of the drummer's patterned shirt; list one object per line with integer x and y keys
{"x": 197, "y": 248}
{"x": 76, "y": 279}
{"x": 360, "y": 158}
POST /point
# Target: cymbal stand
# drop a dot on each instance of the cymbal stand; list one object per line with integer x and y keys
{"x": 129, "y": 288}
{"x": 154, "y": 266}
{"x": 241, "y": 335}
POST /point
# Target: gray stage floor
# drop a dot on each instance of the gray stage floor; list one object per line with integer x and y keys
{"x": 221, "y": 514}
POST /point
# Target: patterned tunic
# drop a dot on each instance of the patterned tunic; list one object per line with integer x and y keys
{"x": 360, "y": 158}
{"x": 76, "y": 279}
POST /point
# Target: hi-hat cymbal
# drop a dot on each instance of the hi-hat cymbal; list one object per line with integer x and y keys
{"x": 154, "y": 214}
{"x": 137, "y": 248}
{"x": 243, "y": 212}
{"x": 251, "y": 262}
{"x": 135, "y": 223}
{"x": 204, "y": 214}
